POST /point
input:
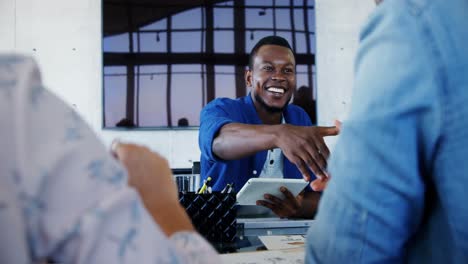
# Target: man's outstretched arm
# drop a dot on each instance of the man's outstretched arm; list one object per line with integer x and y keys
{"x": 302, "y": 145}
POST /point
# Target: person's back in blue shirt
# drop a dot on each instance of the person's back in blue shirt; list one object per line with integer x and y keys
{"x": 400, "y": 195}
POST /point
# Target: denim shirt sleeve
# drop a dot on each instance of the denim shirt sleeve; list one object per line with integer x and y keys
{"x": 375, "y": 199}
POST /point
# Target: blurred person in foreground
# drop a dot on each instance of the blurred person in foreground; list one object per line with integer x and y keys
{"x": 400, "y": 195}
{"x": 65, "y": 199}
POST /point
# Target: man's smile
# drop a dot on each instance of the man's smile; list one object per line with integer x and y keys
{"x": 278, "y": 90}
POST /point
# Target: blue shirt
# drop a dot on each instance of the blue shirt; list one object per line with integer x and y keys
{"x": 222, "y": 111}
{"x": 398, "y": 191}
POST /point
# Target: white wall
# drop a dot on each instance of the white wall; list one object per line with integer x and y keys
{"x": 65, "y": 38}
{"x": 338, "y": 26}
{"x": 7, "y": 25}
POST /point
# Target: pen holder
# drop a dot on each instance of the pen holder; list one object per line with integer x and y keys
{"x": 213, "y": 214}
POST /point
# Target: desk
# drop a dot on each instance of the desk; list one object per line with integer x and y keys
{"x": 293, "y": 256}
{"x": 249, "y": 229}
{"x": 272, "y": 226}
{"x": 251, "y": 250}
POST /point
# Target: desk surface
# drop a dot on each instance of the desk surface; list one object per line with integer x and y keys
{"x": 248, "y": 231}
{"x": 250, "y": 249}
{"x": 292, "y": 256}
{"x": 272, "y": 226}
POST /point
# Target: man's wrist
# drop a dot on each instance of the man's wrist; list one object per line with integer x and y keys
{"x": 310, "y": 203}
{"x": 275, "y": 132}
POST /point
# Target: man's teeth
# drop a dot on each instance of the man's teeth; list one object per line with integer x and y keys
{"x": 276, "y": 90}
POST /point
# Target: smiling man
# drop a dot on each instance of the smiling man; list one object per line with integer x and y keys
{"x": 262, "y": 135}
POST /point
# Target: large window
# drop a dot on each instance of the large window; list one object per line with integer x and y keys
{"x": 164, "y": 62}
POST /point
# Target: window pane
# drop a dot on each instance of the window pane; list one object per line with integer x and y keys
{"x": 161, "y": 24}
{"x": 282, "y": 2}
{"x": 298, "y": 19}
{"x": 117, "y": 43}
{"x": 225, "y": 82}
{"x": 115, "y": 70}
{"x": 115, "y": 91}
{"x": 283, "y": 19}
{"x": 223, "y": 17}
{"x": 312, "y": 43}
{"x": 258, "y": 18}
{"x": 186, "y": 41}
{"x": 287, "y": 36}
{"x": 301, "y": 43}
{"x": 257, "y": 35}
{"x": 311, "y": 19}
{"x": 228, "y": 3}
{"x": 298, "y": 2}
{"x": 187, "y": 19}
{"x": 259, "y": 3}
{"x": 149, "y": 42}
{"x": 186, "y": 95}
{"x": 152, "y": 97}
{"x": 224, "y": 41}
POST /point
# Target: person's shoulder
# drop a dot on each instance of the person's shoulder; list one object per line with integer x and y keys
{"x": 20, "y": 66}
{"x": 296, "y": 115}
{"x": 292, "y": 108}
{"x": 225, "y": 102}
{"x": 21, "y": 76}
{"x": 395, "y": 15}
{"x": 12, "y": 59}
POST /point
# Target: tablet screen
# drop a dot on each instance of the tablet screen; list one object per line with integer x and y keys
{"x": 255, "y": 188}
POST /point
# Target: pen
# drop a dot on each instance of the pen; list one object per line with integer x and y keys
{"x": 228, "y": 188}
{"x": 205, "y": 186}
{"x": 231, "y": 188}
{"x": 225, "y": 189}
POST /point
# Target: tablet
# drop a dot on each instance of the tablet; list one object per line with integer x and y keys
{"x": 255, "y": 188}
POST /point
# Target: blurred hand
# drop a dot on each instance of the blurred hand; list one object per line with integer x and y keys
{"x": 150, "y": 175}
{"x": 338, "y": 124}
{"x": 319, "y": 185}
{"x": 304, "y": 146}
{"x": 148, "y": 172}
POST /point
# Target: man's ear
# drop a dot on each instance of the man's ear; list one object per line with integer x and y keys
{"x": 248, "y": 78}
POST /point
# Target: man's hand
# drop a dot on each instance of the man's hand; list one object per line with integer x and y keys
{"x": 289, "y": 207}
{"x": 303, "y": 206}
{"x": 305, "y": 147}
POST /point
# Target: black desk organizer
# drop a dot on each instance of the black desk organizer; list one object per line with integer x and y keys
{"x": 213, "y": 215}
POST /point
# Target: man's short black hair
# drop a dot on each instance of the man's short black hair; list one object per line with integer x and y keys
{"x": 269, "y": 40}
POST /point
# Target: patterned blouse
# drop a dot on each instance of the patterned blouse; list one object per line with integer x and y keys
{"x": 62, "y": 195}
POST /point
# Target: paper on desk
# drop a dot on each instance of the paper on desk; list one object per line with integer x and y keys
{"x": 283, "y": 242}
{"x": 292, "y": 256}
